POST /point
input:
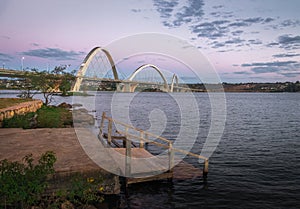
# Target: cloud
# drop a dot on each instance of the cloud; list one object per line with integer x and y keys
{"x": 290, "y": 75}
{"x": 249, "y": 21}
{"x": 287, "y": 42}
{"x": 285, "y": 55}
{"x": 273, "y": 67}
{"x": 265, "y": 69}
{"x": 253, "y": 20}
{"x": 290, "y": 23}
{"x": 286, "y": 39}
{"x": 34, "y": 44}
{"x": 237, "y": 42}
{"x": 5, "y": 57}
{"x": 5, "y": 37}
{"x": 269, "y": 64}
{"x": 269, "y": 19}
{"x": 237, "y": 32}
{"x": 242, "y": 73}
{"x": 136, "y": 10}
{"x": 234, "y": 41}
{"x": 53, "y": 53}
{"x": 217, "y": 44}
{"x": 212, "y": 30}
{"x": 218, "y": 6}
{"x": 174, "y": 14}
{"x": 255, "y": 42}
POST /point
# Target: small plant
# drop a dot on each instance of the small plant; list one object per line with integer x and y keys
{"x": 22, "y": 184}
{"x": 86, "y": 190}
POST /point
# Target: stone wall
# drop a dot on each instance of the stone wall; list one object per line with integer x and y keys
{"x": 20, "y": 109}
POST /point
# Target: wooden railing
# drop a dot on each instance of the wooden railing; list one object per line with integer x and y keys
{"x": 143, "y": 137}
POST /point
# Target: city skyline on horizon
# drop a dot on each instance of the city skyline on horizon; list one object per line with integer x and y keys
{"x": 257, "y": 41}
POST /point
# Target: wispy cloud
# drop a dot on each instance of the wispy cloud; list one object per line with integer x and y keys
{"x": 285, "y": 55}
{"x": 136, "y": 10}
{"x": 5, "y": 57}
{"x": 53, "y": 53}
{"x": 174, "y": 13}
{"x": 265, "y": 69}
{"x": 287, "y": 42}
{"x": 290, "y": 23}
{"x": 5, "y": 37}
{"x": 290, "y": 75}
{"x": 242, "y": 72}
{"x": 250, "y": 21}
{"x": 237, "y": 32}
{"x": 234, "y": 41}
{"x": 269, "y": 64}
{"x": 212, "y": 30}
{"x": 283, "y": 67}
{"x": 255, "y": 41}
{"x": 34, "y": 44}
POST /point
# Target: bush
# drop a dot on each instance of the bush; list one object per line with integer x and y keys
{"x": 45, "y": 117}
{"x": 22, "y": 184}
{"x": 81, "y": 191}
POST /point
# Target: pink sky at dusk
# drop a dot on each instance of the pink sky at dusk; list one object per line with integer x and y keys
{"x": 246, "y": 41}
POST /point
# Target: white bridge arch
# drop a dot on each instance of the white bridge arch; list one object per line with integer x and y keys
{"x": 89, "y": 57}
{"x": 131, "y": 85}
{"x": 174, "y": 82}
{"x": 127, "y": 85}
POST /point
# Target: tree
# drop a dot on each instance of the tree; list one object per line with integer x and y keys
{"x": 66, "y": 79}
{"x": 49, "y": 83}
{"x": 28, "y": 90}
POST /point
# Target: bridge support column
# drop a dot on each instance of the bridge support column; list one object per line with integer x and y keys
{"x": 164, "y": 88}
{"x": 119, "y": 87}
{"x": 133, "y": 87}
{"x": 126, "y": 87}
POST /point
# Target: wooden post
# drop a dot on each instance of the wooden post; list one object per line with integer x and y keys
{"x": 171, "y": 157}
{"x": 146, "y": 138}
{"x": 109, "y": 132}
{"x": 124, "y": 141}
{"x": 141, "y": 140}
{"x": 205, "y": 169}
{"x": 128, "y": 158}
{"x": 102, "y": 122}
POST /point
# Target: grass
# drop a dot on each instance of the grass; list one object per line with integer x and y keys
{"x": 8, "y": 102}
{"x": 46, "y": 117}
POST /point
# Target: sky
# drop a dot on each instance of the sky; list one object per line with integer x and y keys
{"x": 245, "y": 41}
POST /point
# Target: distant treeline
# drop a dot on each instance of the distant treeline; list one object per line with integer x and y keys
{"x": 250, "y": 87}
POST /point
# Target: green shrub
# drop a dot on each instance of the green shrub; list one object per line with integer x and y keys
{"x": 22, "y": 184}
{"x": 47, "y": 117}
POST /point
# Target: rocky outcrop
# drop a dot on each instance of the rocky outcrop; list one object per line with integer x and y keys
{"x": 20, "y": 109}
{"x": 82, "y": 118}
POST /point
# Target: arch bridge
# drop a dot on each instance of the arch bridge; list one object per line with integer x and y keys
{"x": 130, "y": 84}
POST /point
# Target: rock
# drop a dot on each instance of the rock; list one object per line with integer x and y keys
{"x": 67, "y": 205}
{"x": 65, "y": 105}
{"x": 81, "y": 116}
{"x": 77, "y": 105}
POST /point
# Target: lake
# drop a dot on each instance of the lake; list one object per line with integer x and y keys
{"x": 256, "y": 164}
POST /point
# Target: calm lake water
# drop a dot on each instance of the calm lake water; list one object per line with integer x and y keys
{"x": 257, "y": 162}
